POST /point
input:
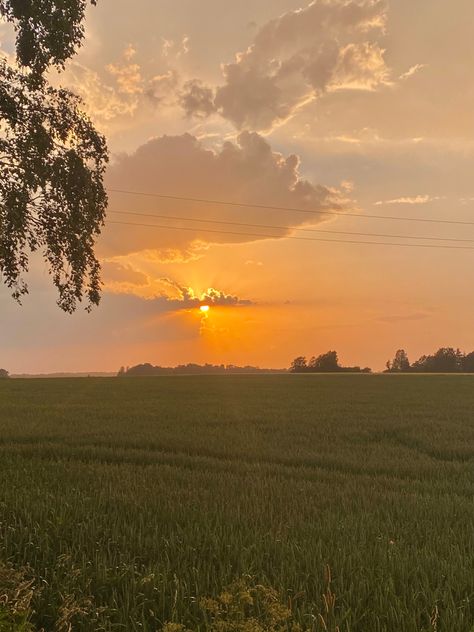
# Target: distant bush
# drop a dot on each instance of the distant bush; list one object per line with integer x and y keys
{"x": 4, "y": 373}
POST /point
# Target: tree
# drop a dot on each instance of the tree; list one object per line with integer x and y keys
{"x": 298, "y": 365}
{"x": 3, "y": 374}
{"x": 325, "y": 363}
{"x": 468, "y": 363}
{"x": 52, "y": 159}
{"x": 445, "y": 360}
{"x": 400, "y": 362}
{"x": 48, "y": 32}
{"x": 421, "y": 364}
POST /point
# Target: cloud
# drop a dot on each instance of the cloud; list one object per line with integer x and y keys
{"x": 129, "y": 277}
{"x": 197, "y": 100}
{"x": 175, "y": 49}
{"x": 114, "y": 271}
{"x": 120, "y": 278}
{"x": 418, "y": 199}
{"x": 161, "y": 89}
{"x": 102, "y": 101}
{"x": 303, "y": 54}
{"x": 169, "y": 255}
{"x": 211, "y": 296}
{"x": 126, "y": 90}
{"x": 245, "y": 171}
{"x": 127, "y": 73}
{"x": 412, "y": 71}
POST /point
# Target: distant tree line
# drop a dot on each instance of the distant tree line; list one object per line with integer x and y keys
{"x": 4, "y": 374}
{"x": 191, "y": 369}
{"x": 325, "y": 363}
{"x": 445, "y": 360}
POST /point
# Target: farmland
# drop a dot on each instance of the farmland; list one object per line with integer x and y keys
{"x": 128, "y": 500}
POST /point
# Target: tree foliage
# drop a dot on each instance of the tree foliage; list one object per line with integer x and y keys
{"x": 299, "y": 365}
{"x": 324, "y": 363}
{"x": 52, "y": 159}
{"x": 399, "y": 363}
{"x": 47, "y": 31}
{"x": 445, "y": 360}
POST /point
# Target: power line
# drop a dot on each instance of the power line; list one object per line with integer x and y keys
{"x": 273, "y": 227}
{"x": 291, "y": 209}
{"x": 266, "y": 235}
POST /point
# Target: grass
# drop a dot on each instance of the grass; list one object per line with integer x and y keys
{"x": 129, "y": 501}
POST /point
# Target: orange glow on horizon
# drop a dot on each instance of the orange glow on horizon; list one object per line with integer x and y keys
{"x": 204, "y": 308}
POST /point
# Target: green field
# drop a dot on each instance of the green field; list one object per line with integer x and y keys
{"x": 128, "y": 500}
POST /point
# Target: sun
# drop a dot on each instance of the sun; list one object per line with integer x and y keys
{"x": 204, "y": 308}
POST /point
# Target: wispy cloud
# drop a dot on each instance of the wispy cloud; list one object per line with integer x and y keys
{"x": 127, "y": 73}
{"x": 412, "y": 71}
{"x": 417, "y": 199}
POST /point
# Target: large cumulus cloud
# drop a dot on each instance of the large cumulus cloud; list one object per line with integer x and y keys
{"x": 244, "y": 171}
{"x": 329, "y": 45}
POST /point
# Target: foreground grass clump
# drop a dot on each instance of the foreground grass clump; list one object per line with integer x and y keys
{"x": 130, "y": 501}
{"x": 243, "y": 608}
{"x": 16, "y": 594}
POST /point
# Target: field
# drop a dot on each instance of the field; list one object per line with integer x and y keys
{"x": 128, "y": 500}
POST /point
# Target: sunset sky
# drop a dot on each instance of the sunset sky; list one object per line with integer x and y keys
{"x": 356, "y": 108}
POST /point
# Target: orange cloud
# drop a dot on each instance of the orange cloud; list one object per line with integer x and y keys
{"x": 295, "y": 58}
{"x": 123, "y": 278}
{"x": 245, "y": 171}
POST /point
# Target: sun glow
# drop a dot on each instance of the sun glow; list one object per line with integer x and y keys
{"x": 204, "y": 308}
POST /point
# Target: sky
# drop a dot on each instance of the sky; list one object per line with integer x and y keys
{"x": 358, "y": 113}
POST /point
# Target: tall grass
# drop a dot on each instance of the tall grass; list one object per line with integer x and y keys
{"x": 132, "y": 500}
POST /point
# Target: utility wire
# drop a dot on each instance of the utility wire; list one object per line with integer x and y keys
{"x": 266, "y": 235}
{"x": 292, "y": 209}
{"x": 306, "y": 230}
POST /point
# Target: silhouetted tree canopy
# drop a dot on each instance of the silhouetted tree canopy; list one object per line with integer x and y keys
{"x": 445, "y": 360}
{"x": 399, "y": 363}
{"x": 52, "y": 159}
{"x": 327, "y": 362}
{"x": 47, "y": 31}
{"x": 468, "y": 363}
{"x": 148, "y": 369}
{"x": 324, "y": 363}
{"x": 3, "y": 374}
{"x": 299, "y": 365}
